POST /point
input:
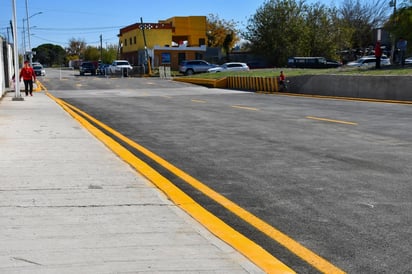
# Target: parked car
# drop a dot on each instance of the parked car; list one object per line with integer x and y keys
{"x": 102, "y": 69}
{"x": 369, "y": 61}
{"x": 87, "y": 67}
{"x": 120, "y": 66}
{"x": 258, "y": 64}
{"x": 408, "y": 61}
{"x": 333, "y": 64}
{"x": 189, "y": 67}
{"x": 231, "y": 66}
{"x": 312, "y": 62}
{"x": 39, "y": 70}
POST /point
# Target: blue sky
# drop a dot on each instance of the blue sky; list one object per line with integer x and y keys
{"x": 59, "y": 21}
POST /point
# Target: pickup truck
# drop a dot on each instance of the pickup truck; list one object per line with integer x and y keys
{"x": 87, "y": 67}
{"x": 119, "y": 66}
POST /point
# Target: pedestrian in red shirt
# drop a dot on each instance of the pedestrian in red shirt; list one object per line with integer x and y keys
{"x": 282, "y": 79}
{"x": 378, "y": 55}
{"x": 28, "y": 75}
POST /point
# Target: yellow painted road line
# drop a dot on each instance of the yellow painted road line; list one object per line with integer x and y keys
{"x": 345, "y": 98}
{"x": 198, "y": 101}
{"x": 331, "y": 120}
{"x": 248, "y": 108}
{"x": 248, "y": 248}
{"x": 296, "y": 248}
{"x": 40, "y": 86}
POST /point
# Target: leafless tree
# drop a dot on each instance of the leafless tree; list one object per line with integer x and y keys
{"x": 364, "y": 17}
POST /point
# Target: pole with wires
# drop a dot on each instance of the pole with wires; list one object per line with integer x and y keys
{"x": 147, "y": 57}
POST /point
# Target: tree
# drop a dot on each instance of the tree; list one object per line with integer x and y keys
{"x": 322, "y": 31}
{"x": 221, "y": 33}
{"x": 76, "y": 48}
{"x": 362, "y": 19}
{"x": 91, "y": 53}
{"x": 399, "y": 24}
{"x": 277, "y": 30}
{"x": 109, "y": 54}
{"x": 283, "y": 28}
{"x": 49, "y": 54}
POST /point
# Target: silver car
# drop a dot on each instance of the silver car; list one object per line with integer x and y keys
{"x": 39, "y": 70}
{"x": 369, "y": 61}
{"x": 189, "y": 67}
{"x": 231, "y": 66}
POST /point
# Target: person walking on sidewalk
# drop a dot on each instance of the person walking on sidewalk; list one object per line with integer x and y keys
{"x": 28, "y": 75}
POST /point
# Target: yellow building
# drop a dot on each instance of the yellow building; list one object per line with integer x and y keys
{"x": 176, "y": 39}
{"x": 191, "y": 29}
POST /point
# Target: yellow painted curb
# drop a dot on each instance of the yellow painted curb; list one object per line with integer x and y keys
{"x": 245, "y": 246}
{"x": 296, "y": 248}
{"x": 39, "y": 87}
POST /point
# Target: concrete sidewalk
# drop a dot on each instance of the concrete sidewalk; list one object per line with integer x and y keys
{"x": 69, "y": 205}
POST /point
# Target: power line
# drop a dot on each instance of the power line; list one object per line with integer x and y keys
{"x": 67, "y": 42}
{"x": 75, "y": 29}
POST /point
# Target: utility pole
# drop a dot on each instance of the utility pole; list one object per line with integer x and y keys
{"x": 11, "y": 28}
{"x": 17, "y": 95}
{"x": 101, "y": 48}
{"x": 392, "y": 3}
{"x": 30, "y": 53}
{"x": 147, "y": 57}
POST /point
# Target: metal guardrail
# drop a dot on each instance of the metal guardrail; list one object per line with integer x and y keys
{"x": 249, "y": 83}
{"x": 253, "y": 83}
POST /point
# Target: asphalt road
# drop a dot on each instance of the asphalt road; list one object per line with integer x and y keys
{"x": 334, "y": 175}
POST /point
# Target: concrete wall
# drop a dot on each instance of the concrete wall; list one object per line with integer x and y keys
{"x": 373, "y": 87}
{"x": 2, "y": 71}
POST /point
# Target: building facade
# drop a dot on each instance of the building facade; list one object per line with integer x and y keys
{"x": 165, "y": 43}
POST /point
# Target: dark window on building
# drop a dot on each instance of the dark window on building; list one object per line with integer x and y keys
{"x": 134, "y": 38}
{"x": 198, "y": 56}
{"x": 125, "y": 42}
{"x": 202, "y": 42}
{"x": 181, "y": 57}
{"x": 131, "y": 43}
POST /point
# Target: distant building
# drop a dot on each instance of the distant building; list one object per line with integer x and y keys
{"x": 167, "y": 42}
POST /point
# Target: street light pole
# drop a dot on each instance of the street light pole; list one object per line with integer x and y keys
{"x": 17, "y": 95}
{"x": 28, "y": 31}
{"x": 30, "y": 53}
{"x": 24, "y": 39}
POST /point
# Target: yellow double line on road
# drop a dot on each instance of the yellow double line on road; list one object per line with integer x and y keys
{"x": 248, "y": 248}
